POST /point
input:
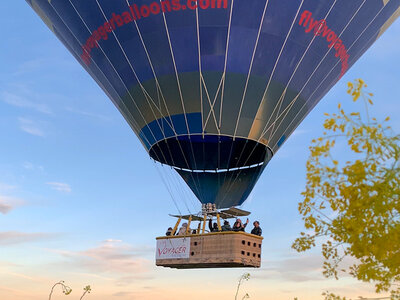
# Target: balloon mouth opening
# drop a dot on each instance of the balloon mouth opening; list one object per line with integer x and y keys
{"x": 210, "y": 153}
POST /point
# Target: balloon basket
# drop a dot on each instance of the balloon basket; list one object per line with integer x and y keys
{"x": 209, "y": 250}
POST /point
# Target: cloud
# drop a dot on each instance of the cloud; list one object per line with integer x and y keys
{"x": 300, "y": 132}
{"x": 17, "y": 237}
{"x": 30, "y": 127}
{"x": 113, "y": 257}
{"x": 60, "y": 186}
{"x": 131, "y": 295}
{"x": 126, "y": 280}
{"x": 297, "y": 269}
{"x": 23, "y": 276}
{"x": 87, "y": 114}
{"x": 5, "y": 208}
{"x": 43, "y": 65}
{"x": 123, "y": 294}
{"x": 22, "y": 102}
{"x": 8, "y": 203}
{"x": 30, "y": 166}
{"x": 30, "y": 66}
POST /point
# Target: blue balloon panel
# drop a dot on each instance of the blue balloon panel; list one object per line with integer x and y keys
{"x": 214, "y": 88}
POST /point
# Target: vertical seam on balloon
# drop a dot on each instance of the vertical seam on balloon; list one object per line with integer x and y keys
{"x": 265, "y": 130}
{"x": 200, "y": 69}
{"x": 134, "y": 102}
{"x": 246, "y": 85}
{"x": 176, "y": 71}
{"x": 339, "y": 61}
{"x": 297, "y": 96}
{"x": 293, "y": 73}
{"x": 178, "y": 82}
{"x": 225, "y": 64}
{"x": 317, "y": 67}
{"x": 223, "y": 84}
{"x": 89, "y": 70}
{"x": 326, "y": 54}
{"x": 144, "y": 90}
{"x": 276, "y": 63}
{"x": 158, "y": 87}
{"x": 221, "y": 81}
{"x": 180, "y": 91}
{"x": 251, "y": 66}
{"x": 132, "y": 118}
{"x": 269, "y": 81}
{"x": 171, "y": 125}
{"x": 145, "y": 93}
{"x": 203, "y": 124}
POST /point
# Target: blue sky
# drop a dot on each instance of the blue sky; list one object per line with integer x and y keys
{"x": 80, "y": 200}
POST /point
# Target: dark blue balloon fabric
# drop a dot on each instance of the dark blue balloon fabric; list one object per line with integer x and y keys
{"x": 213, "y": 88}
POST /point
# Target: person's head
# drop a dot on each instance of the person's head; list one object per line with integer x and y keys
{"x": 238, "y": 223}
{"x": 169, "y": 228}
{"x": 215, "y": 225}
{"x": 226, "y": 222}
{"x": 256, "y": 224}
{"x": 184, "y": 225}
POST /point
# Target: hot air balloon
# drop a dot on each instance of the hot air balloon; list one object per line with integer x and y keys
{"x": 213, "y": 88}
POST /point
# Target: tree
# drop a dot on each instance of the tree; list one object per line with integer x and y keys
{"x": 352, "y": 207}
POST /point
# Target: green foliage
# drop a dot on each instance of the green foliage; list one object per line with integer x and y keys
{"x": 353, "y": 207}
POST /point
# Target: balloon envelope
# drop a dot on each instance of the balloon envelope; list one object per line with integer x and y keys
{"x": 214, "y": 87}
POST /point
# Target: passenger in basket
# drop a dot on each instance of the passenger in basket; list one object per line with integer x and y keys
{"x": 226, "y": 226}
{"x": 239, "y": 226}
{"x": 182, "y": 230}
{"x": 169, "y": 231}
{"x": 257, "y": 229}
{"x": 212, "y": 227}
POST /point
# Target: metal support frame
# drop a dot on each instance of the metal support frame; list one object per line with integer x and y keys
{"x": 204, "y": 223}
{"x": 219, "y": 222}
{"x": 176, "y": 226}
{"x": 188, "y": 225}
